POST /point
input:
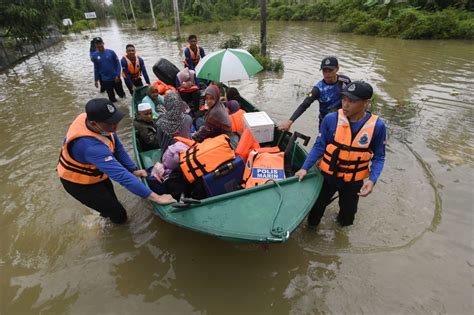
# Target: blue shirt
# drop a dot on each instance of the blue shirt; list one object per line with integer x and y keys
{"x": 118, "y": 166}
{"x": 328, "y": 96}
{"x": 128, "y": 77}
{"x": 106, "y": 65}
{"x": 328, "y": 131}
{"x": 187, "y": 55}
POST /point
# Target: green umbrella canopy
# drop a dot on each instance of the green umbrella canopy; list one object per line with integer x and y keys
{"x": 228, "y": 65}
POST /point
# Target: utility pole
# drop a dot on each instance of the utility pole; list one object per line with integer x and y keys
{"x": 125, "y": 10}
{"x": 133, "y": 13}
{"x": 152, "y": 14}
{"x": 176, "y": 19}
{"x": 263, "y": 27}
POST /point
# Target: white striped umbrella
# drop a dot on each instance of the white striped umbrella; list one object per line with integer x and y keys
{"x": 227, "y": 65}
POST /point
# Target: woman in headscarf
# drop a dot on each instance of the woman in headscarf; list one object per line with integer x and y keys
{"x": 175, "y": 121}
{"x": 155, "y": 100}
{"x": 217, "y": 119}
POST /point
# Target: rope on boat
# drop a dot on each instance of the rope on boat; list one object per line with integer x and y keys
{"x": 278, "y": 231}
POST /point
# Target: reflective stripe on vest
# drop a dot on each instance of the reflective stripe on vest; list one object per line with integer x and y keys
{"x": 349, "y": 158}
{"x": 195, "y": 57}
{"x": 237, "y": 121}
{"x": 205, "y": 157}
{"x": 73, "y": 171}
{"x": 264, "y": 165}
{"x": 133, "y": 69}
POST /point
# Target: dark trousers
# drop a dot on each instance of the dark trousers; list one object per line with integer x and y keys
{"x": 110, "y": 86}
{"x": 100, "y": 197}
{"x": 136, "y": 83}
{"x": 348, "y": 200}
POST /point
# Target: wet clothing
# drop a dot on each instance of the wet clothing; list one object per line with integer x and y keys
{"x": 105, "y": 154}
{"x": 328, "y": 95}
{"x": 191, "y": 59}
{"x": 100, "y": 197}
{"x": 106, "y": 65}
{"x": 348, "y": 198}
{"x": 147, "y": 134}
{"x": 106, "y": 69}
{"x": 134, "y": 78}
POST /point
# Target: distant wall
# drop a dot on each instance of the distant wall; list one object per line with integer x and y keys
{"x": 14, "y": 52}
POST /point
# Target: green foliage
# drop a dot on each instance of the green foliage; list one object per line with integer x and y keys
{"x": 234, "y": 42}
{"x": 267, "y": 62}
{"x": 351, "y": 21}
{"x": 82, "y": 25}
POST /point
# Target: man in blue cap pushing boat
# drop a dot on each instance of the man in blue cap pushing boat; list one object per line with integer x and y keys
{"x": 350, "y": 152}
{"x": 91, "y": 153}
{"x": 327, "y": 92}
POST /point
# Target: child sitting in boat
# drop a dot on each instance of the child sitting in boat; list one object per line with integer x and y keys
{"x": 236, "y": 116}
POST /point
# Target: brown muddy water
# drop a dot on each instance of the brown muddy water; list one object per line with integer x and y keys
{"x": 409, "y": 251}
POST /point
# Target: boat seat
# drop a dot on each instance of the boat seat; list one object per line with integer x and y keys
{"x": 149, "y": 158}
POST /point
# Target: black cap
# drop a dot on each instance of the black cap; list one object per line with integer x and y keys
{"x": 358, "y": 90}
{"x": 98, "y": 40}
{"x": 103, "y": 110}
{"x": 329, "y": 62}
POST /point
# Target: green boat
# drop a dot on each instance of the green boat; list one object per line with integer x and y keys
{"x": 264, "y": 214}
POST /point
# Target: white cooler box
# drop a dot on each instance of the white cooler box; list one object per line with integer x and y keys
{"x": 260, "y": 125}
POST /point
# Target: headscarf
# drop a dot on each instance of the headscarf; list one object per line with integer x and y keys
{"x": 170, "y": 122}
{"x": 217, "y": 116}
{"x": 156, "y": 100}
{"x": 233, "y": 106}
{"x": 186, "y": 75}
{"x": 213, "y": 90}
{"x": 233, "y": 94}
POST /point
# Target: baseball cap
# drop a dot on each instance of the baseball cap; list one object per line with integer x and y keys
{"x": 329, "y": 62}
{"x": 98, "y": 40}
{"x": 103, "y": 110}
{"x": 358, "y": 90}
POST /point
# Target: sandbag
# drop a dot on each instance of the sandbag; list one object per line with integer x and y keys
{"x": 166, "y": 71}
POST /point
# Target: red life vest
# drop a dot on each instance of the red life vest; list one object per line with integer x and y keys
{"x": 204, "y": 157}
{"x": 133, "y": 68}
{"x": 237, "y": 120}
{"x": 195, "y": 57}
{"x": 264, "y": 165}
{"x": 70, "y": 169}
{"x": 349, "y": 158}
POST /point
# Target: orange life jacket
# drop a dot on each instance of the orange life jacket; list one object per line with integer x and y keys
{"x": 237, "y": 120}
{"x": 349, "y": 158}
{"x": 73, "y": 171}
{"x": 133, "y": 68}
{"x": 195, "y": 57}
{"x": 246, "y": 143}
{"x": 189, "y": 89}
{"x": 205, "y": 157}
{"x": 263, "y": 165}
{"x": 163, "y": 87}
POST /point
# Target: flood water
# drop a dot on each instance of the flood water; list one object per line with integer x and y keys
{"x": 409, "y": 251}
